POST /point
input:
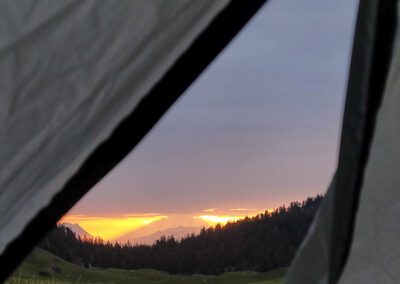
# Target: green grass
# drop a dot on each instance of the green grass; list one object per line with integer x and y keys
{"x": 42, "y": 267}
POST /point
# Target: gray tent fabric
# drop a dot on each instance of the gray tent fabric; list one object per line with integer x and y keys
{"x": 375, "y": 253}
{"x": 324, "y": 253}
{"x": 82, "y": 82}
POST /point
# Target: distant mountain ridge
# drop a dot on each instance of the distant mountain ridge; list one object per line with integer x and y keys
{"x": 166, "y": 226}
{"x": 78, "y": 230}
{"x": 142, "y": 237}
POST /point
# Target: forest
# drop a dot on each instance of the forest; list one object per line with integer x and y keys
{"x": 261, "y": 243}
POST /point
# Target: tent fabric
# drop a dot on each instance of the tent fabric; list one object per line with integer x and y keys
{"x": 83, "y": 82}
{"x": 325, "y": 251}
{"x": 375, "y": 251}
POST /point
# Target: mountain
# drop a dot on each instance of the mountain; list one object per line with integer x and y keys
{"x": 178, "y": 233}
{"x": 167, "y": 226}
{"x": 78, "y": 230}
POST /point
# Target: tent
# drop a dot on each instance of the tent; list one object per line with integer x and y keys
{"x": 84, "y": 81}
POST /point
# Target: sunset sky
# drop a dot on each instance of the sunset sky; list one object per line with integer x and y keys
{"x": 258, "y": 129}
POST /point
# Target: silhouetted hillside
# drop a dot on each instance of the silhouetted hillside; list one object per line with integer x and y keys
{"x": 264, "y": 242}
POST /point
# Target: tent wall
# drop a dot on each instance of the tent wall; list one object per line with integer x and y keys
{"x": 82, "y": 83}
{"x": 375, "y": 252}
{"x": 325, "y": 251}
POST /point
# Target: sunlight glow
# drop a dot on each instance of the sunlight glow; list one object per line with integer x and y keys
{"x": 109, "y": 228}
{"x": 209, "y": 210}
{"x": 220, "y": 219}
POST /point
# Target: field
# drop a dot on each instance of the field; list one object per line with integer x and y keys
{"x": 42, "y": 267}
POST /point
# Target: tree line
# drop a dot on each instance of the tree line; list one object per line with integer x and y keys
{"x": 261, "y": 243}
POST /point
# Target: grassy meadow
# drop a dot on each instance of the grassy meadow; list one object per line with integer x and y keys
{"x": 42, "y": 267}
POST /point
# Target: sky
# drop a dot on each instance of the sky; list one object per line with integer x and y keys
{"x": 258, "y": 129}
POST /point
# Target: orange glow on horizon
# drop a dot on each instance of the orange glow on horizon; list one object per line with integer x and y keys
{"x": 209, "y": 210}
{"x": 109, "y": 228}
{"x": 219, "y": 219}
{"x": 223, "y": 220}
{"x": 115, "y": 227}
